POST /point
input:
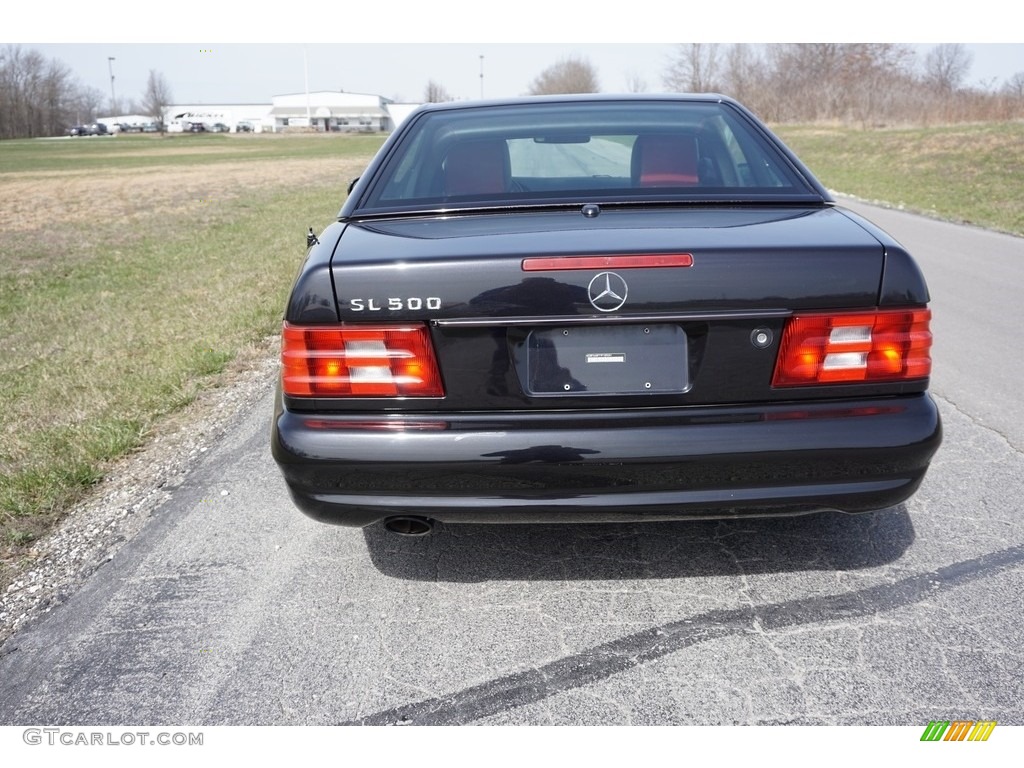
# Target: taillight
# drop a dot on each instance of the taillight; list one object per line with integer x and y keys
{"x": 854, "y": 347}
{"x": 359, "y": 361}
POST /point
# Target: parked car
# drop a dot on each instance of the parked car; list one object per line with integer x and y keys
{"x": 98, "y": 129}
{"x": 599, "y": 308}
{"x": 218, "y": 128}
{"x": 78, "y": 130}
{"x": 244, "y": 126}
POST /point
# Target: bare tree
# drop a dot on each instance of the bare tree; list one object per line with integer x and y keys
{"x": 743, "y": 72}
{"x": 946, "y": 66}
{"x": 831, "y": 81}
{"x": 693, "y": 69}
{"x": 871, "y": 76}
{"x": 36, "y": 94}
{"x": 156, "y": 97}
{"x": 1014, "y": 86}
{"x": 52, "y": 98}
{"x": 436, "y": 93}
{"x": 570, "y": 75}
{"x": 635, "y": 83}
{"x": 86, "y": 105}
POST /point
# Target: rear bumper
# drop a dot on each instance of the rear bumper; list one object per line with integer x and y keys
{"x": 627, "y": 465}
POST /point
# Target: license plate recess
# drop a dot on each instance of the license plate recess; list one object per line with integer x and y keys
{"x": 607, "y": 360}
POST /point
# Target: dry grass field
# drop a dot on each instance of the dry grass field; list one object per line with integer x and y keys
{"x": 132, "y": 272}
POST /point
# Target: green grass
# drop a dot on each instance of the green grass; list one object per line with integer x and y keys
{"x": 105, "y": 347}
{"x": 106, "y": 329}
{"x": 967, "y": 173}
{"x": 151, "y": 150}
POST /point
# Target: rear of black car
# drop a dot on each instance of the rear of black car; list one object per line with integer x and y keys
{"x": 580, "y": 326}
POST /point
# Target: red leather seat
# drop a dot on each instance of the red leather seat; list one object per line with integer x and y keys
{"x": 665, "y": 160}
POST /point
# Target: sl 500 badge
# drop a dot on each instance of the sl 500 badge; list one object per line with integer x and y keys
{"x": 410, "y": 304}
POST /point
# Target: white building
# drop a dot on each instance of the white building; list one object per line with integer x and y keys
{"x": 180, "y": 117}
{"x": 332, "y": 111}
{"x": 320, "y": 110}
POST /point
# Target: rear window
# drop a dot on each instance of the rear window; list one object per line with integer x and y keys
{"x": 578, "y": 152}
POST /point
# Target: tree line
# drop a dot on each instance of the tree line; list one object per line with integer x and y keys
{"x": 41, "y": 97}
{"x": 854, "y": 83}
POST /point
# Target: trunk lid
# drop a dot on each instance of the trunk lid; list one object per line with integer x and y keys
{"x": 507, "y": 338}
{"x": 471, "y": 266}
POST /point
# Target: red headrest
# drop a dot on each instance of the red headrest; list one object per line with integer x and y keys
{"x": 664, "y": 160}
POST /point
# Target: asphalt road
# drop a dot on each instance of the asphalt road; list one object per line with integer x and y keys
{"x": 232, "y": 608}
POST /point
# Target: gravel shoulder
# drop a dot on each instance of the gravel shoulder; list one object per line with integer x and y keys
{"x": 56, "y": 221}
{"x": 132, "y": 490}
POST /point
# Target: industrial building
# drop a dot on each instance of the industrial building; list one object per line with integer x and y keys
{"x": 318, "y": 110}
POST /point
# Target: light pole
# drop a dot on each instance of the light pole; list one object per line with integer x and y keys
{"x": 481, "y": 76}
{"x": 113, "y": 98}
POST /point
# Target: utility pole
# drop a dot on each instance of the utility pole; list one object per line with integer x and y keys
{"x": 113, "y": 98}
{"x": 305, "y": 69}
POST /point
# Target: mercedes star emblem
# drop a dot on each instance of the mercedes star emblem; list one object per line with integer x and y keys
{"x": 607, "y": 292}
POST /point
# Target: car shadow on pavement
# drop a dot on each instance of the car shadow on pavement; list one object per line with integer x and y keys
{"x": 656, "y": 550}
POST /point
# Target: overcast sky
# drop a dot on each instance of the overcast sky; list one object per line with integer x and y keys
{"x": 211, "y": 53}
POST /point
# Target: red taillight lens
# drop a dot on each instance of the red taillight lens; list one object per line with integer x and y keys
{"x": 359, "y": 361}
{"x": 854, "y": 347}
